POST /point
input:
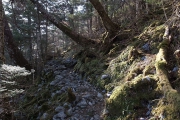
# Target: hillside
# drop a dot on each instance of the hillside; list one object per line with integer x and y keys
{"x": 138, "y": 79}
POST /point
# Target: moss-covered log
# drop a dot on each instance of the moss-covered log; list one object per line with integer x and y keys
{"x": 168, "y": 106}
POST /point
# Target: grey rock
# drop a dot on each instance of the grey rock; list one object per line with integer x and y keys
{"x": 59, "y": 92}
{"x": 86, "y": 96}
{"x": 64, "y": 88}
{"x": 57, "y": 72}
{"x": 53, "y": 94}
{"x": 58, "y": 77}
{"x": 54, "y": 82}
{"x": 69, "y": 62}
{"x": 62, "y": 67}
{"x": 93, "y": 102}
{"x": 77, "y": 117}
{"x": 69, "y": 112}
{"x": 60, "y": 116}
{"x": 146, "y": 47}
{"x": 73, "y": 118}
{"x": 90, "y": 103}
{"x": 44, "y": 116}
{"x": 40, "y": 85}
{"x": 97, "y": 117}
{"x": 148, "y": 113}
{"x": 104, "y": 91}
{"x": 59, "y": 108}
{"x": 105, "y": 76}
{"x": 92, "y": 118}
{"x": 175, "y": 69}
{"x": 82, "y": 103}
{"x": 99, "y": 95}
{"x": 39, "y": 89}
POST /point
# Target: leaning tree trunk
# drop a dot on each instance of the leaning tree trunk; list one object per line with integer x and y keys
{"x": 81, "y": 40}
{"x": 13, "y": 50}
{"x": 112, "y": 29}
{"x": 108, "y": 23}
{"x": 110, "y": 26}
{"x": 2, "y": 59}
{"x": 93, "y": 46}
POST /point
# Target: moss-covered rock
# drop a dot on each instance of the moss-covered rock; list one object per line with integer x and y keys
{"x": 130, "y": 98}
{"x": 143, "y": 80}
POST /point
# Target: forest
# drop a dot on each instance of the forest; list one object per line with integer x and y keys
{"x": 89, "y": 60}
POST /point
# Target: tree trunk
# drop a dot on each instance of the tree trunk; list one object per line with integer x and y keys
{"x": 40, "y": 42}
{"x": 107, "y": 22}
{"x": 2, "y": 59}
{"x": 46, "y": 41}
{"x": 29, "y": 38}
{"x": 46, "y": 38}
{"x": 13, "y": 50}
{"x": 81, "y": 40}
{"x": 137, "y": 9}
{"x": 89, "y": 10}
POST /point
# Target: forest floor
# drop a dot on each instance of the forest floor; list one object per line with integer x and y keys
{"x": 12, "y": 86}
{"x": 60, "y": 94}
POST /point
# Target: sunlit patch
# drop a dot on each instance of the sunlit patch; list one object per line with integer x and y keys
{"x": 10, "y": 86}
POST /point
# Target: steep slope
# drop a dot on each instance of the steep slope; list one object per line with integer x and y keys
{"x": 143, "y": 78}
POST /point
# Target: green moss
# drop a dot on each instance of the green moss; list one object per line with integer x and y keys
{"x": 119, "y": 65}
{"x": 102, "y": 83}
{"x": 91, "y": 68}
{"x": 90, "y": 65}
{"x": 168, "y": 106}
{"x": 128, "y": 98}
{"x": 164, "y": 44}
{"x": 134, "y": 81}
{"x": 149, "y": 69}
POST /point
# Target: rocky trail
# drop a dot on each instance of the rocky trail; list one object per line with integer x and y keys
{"x": 60, "y": 94}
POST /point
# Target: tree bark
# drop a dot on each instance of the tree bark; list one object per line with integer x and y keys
{"x": 2, "y": 59}
{"x": 29, "y": 38}
{"x": 13, "y": 50}
{"x": 81, "y": 40}
{"x": 107, "y": 22}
